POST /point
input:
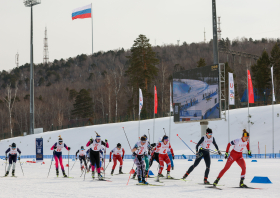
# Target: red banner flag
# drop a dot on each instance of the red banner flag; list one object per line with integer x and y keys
{"x": 156, "y": 101}
{"x": 250, "y": 88}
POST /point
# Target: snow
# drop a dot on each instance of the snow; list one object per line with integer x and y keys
{"x": 35, "y": 182}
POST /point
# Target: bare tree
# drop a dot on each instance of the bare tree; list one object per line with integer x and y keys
{"x": 117, "y": 75}
{"x": 10, "y": 103}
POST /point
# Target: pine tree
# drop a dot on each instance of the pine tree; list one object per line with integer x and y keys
{"x": 83, "y": 106}
{"x": 275, "y": 62}
{"x": 142, "y": 68}
{"x": 201, "y": 62}
{"x": 261, "y": 73}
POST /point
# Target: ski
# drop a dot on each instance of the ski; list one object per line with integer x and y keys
{"x": 213, "y": 187}
{"x": 102, "y": 180}
{"x": 208, "y": 184}
{"x": 184, "y": 180}
{"x": 170, "y": 178}
{"x": 148, "y": 184}
{"x": 121, "y": 173}
{"x": 10, "y": 176}
{"x": 247, "y": 187}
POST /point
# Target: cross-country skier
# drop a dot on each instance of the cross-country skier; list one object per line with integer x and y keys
{"x": 205, "y": 143}
{"x": 138, "y": 152}
{"x": 57, "y": 154}
{"x": 96, "y": 146}
{"x": 82, "y": 157}
{"x": 118, "y": 154}
{"x": 154, "y": 155}
{"x": 163, "y": 146}
{"x": 13, "y": 150}
{"x": 236, "y": 155}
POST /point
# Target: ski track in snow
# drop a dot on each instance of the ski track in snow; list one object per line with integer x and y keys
{"x": 36, "y": 184}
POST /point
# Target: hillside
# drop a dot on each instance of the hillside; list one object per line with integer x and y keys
{"x": 77, "y": 137}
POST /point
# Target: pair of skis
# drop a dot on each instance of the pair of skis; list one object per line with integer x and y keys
{"x": 217, "y": 188}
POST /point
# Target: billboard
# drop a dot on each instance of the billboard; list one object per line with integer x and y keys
{"x": 196, "y": 94}
{"x": 39, "y": 149}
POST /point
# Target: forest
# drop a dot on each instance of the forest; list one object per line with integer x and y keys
{"x": 103, "y": 87}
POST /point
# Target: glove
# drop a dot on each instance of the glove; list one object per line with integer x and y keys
{"x": 219, "y": 152}
{"x": 197, "y": 154}
{"x": 69, "y": 148}
{"x": 91, "y": 140}
{"x": 110, "y": 160}
{"x": 153, "y": 145}
{"x": 226, "y": 155}
{"x": 19, "y": 158}
{"x": 249, "y": 153}
{"x": 55, "y": 147}
{"x": 106, "y": 140}
{"x": 122, "y": 157}
{"x": 173, "y": 157}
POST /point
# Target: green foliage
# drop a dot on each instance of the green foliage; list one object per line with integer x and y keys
{"x": 41, "y": 81}
{"x": 275, "y": 61}
{"x": 261, "y": 73}
{"x": 83, "y": 106}
{"x": 201, "y": 62}
{"x": 72, "y": 94}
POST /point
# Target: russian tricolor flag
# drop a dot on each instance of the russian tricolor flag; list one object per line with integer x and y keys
{"x": 82, "y": 12}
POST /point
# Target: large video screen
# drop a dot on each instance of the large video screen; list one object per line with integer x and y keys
{"x": 196, "y": 94}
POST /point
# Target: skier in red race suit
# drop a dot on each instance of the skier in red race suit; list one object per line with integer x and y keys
{"x": 163, "y": 146}
{"x": 236, "y": 155}
{"x": 118, "y": 154}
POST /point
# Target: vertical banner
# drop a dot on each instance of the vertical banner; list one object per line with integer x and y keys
{"x": 156, "y": 100}
{"x": 171, "y": 106}
{"x": 250, "y": 88}
{"x": 273, "y": 94}
{"x": 140, "y": 100}
{"x": 39, "y": 149}
{"x": 231, "y": 97}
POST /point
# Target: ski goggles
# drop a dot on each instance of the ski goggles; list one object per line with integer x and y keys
{"x": 209, "y": 134}
{"x": 13, "y": 147}
{"x": 82, "y": 149}
{"x": 143, "y": 141}
{"x": 119, "y": 147}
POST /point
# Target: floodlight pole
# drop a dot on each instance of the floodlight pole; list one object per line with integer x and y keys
{"x": 31, "y": 3}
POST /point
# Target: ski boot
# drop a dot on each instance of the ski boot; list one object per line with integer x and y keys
{"x": 7, "y": 173}
{"x": 168, "y": 175}
{"x": 139, "y": 180}
{"x": 241, "y": 184}
{"x": 57, "y": 173}
{"x": 144, "y": 181}
{"x": 64, "y": 175}
{"x": 157, "y": 178}
{"x": 134, "y": 175}
{"x": 185, "y": 176}
{"x": 13, "y": 173}
{"x": 100, "y": 177}
{"x": 172, "y": 167}
{"x": 161, "y": 175}
{"x": 205, "y": 181}
{"x": 120, "y": 171}
{"x": 112, "y": 172}
{"x": 217, "y": 181}
{"x": 93, "y": 174}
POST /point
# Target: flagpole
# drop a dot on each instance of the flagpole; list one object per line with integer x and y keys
{"x": 228, "y": 108}
{"x": 154, "y": 117}
{"x": 273, "y": 99}
{"x": 139, "y": 127}
{"x": 170, "y": 114}
{"x": 91, "y": 30}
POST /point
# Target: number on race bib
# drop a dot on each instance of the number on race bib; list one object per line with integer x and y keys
{"x": 208, "y": 146}
{"x": 141, "y": 150}
{"x": 58, "y": 150}
{"x": 95, "y": 148}
{"x": 164, "y": 151}
{"x": 241, "y": 149}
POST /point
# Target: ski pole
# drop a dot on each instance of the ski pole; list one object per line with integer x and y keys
{"x": 73, "y": 164}
{"x": 21, "y": 167}
{"x": 131, "y": 171}
{"x": 104, "y": 161}
{"x": 126, "y": 138}
{"x": 164, "y": 130}
{"x": 50, "y": 167}
{"x": 107, "y": 165}
{"x": 212, "y": 151}
{"x": 185, "y": 144}
{"x": 6, "y": 165}
{"x": 68, "y": 163}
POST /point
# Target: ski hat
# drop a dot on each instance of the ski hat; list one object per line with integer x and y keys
{"x": 245, "y": 133}
{"x": 60, "y": 139}
{"x": 82, "y": 147}
{"x": 143, "y": 138}
{"x": 119, "y": 144}
{"x": 98, "y": 137}
{"x": 14, "y": 145}
{"x": 208, "y": 130}
{"x": 165, "y": 138}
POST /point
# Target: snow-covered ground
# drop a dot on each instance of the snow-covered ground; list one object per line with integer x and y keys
{"x": 36, "y": 184}
{"x": 261, "y": 131}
